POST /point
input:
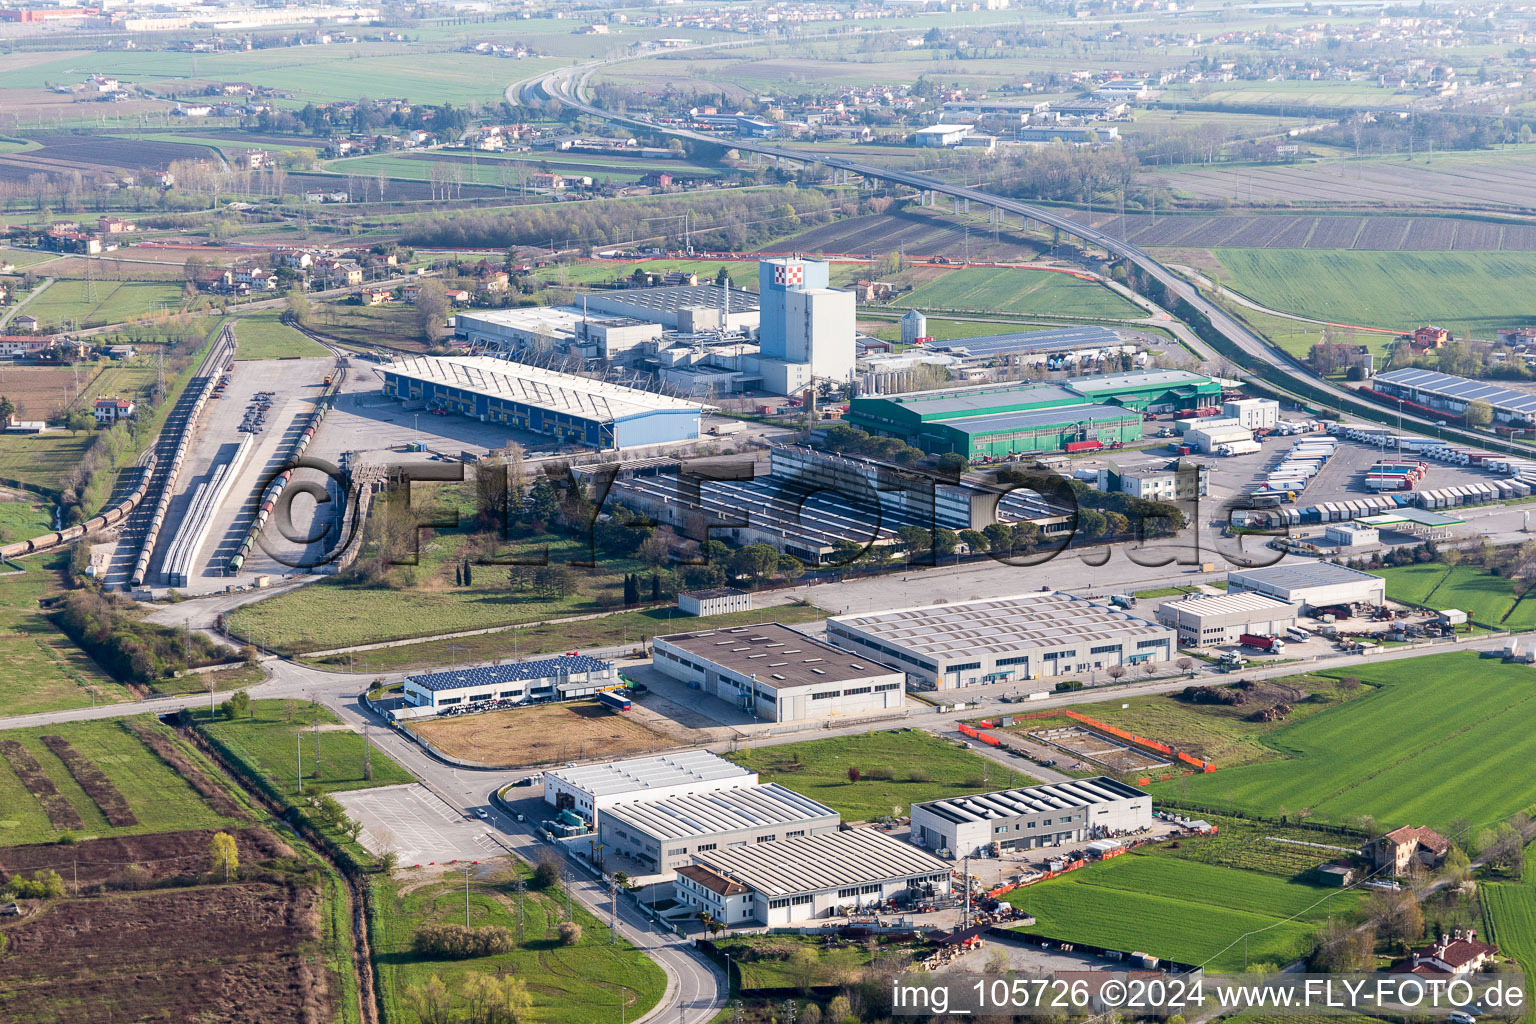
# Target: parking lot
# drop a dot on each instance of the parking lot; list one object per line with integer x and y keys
{"x": 417, "y": 825}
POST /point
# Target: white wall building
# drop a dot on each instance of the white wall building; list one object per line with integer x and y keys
{"x": 778, "y": 674}
{"x": 1041, "y": 635}
{"x": 1216, "y": 620}
{"x": 816, "y": 876}
{"x": 1207, "y": 435}
{"x": 1351, "y": 535}
{"x": 1310, "y": 585}
{"x": 663, "y": 834}
{"x": 1253, "y": 413}
{"x": 717, "y": 601}
{"x": 588, "y": 789}
{"x": 1023, "y": 819}
{"x": 563, "y": 678}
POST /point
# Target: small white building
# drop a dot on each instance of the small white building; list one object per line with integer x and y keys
{"x": 1351, "y": 535}
{"x": 778, "y": 674}
{"x": 1208, "y": 435}
{"x": 719, "y": 601}
{"x": 941, "y": 135}
{"x": 1253, "y": 413}
{"x": 587, "y": 789}
{"x": 810, "y": 877}
{"x": 1210, "y": 621}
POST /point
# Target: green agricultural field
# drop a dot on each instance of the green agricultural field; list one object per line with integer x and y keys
{"x": 1463, "y": 291}
{"x": 620, "y": 628}
{"x": 333, "y": 753}
{"x": 265, "y": 336}
{"x": 1001, "y": 290}
{"x": 45, "y": 671}
{"x": 161, "y": 799}
{"x": 24, "y": 258}
{"x": 135, "y": 382}
{"x": 41, "y": 459}
{"x": 66, "y": 302}
{"x": 766, "y": 961}
{"x": 1511, "y": 912}
{"x": 1442, "y": 737}
{"x": 578, "y": 984}
{"x": 1488, "y": 599}
{"x": 24, "y": 515}
{"x": 1298, "y": 336}
{"x": 1195, "y": 913}
{"x": 897, "y": 769}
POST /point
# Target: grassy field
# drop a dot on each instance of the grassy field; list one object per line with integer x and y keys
{"x": 1488, "y": 599}
{"x": 65, "y": 302}
{"x": 998, "y": 289}
{"x": 267, "y": 740}
{"x": 1195, "y": 913}
{"x": 24, "y": 515}
{"x": 161, "y": 799}
{"x": 370, "y": 326}
{"x": 1511, "y": 910}
{"x": 45, "y": 671}
{"x": 897, "y": 769}
{"x": 1442, "y": 737}
{"x": 24, "y": 258}
{"x": 764, "y": 961}
{"x": 539, "y": 735}
{"x": 41, "y": 459}
{"x": 580, "y": 984}
{"x": 264, "y": 336}
{"x": 1463, "y": 291}
{"x": 1221, "y": 734}
{"x": 547, "y": 638}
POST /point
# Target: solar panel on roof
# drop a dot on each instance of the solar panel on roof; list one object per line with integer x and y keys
{"x": 544, "y": 668}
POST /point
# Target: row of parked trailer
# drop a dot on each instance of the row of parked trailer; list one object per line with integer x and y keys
{"x": 1297, "y": 467}
{"x": 1395, "y": 475}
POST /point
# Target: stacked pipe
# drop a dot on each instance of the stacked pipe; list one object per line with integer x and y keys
{"x": 157, "y": 520}
{"x": 275, "y": 488}
{"x": 197, "y": 520}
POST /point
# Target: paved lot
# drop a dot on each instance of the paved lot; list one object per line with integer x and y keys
{"x": 417, "y": 825}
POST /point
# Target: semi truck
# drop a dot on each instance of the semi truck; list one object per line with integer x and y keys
{"x": 613, "y": 699}
{"x": 1268, "y": 644}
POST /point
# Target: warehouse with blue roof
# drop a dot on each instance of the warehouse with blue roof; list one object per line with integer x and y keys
{"x": 563, "y": 678}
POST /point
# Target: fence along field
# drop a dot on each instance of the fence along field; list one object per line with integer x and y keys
{"x": 1443, "y": 737}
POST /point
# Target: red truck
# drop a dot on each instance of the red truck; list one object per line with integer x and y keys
{"x": 1084, "y": 446}
{"x": 1268, "y": 644}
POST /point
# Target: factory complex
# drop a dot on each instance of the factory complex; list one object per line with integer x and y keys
{"x": 994, "y": 421}
{"x": 1031, "y": 638}
{"x": 1211, "y": 621}
{"x": 1311, "y": 585}
{"x": 1023, "y": 819}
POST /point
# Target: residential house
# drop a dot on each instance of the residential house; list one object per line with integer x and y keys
{"x": 24, "y": 323}
{"x": 110, "y": 410}
{"x": 1461, "y": 952}
{"x": 375, "y": 296}
{"x": 1430, "y": 337}
{"x": 18, "y": 346}
{"x": 257, "y": 279}
{"x": 298, "y": 259}
{"x": 115, "y": 226}
{"x": 1400, "y": 850}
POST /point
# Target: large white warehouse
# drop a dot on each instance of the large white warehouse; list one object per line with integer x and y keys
{"x": 1036, "y": 636}
{"x": 588, "y": 789}
{"x": 1210, "y": 621}
{"x": 1310, "y": 585}
{"x": 1023, "y": 819}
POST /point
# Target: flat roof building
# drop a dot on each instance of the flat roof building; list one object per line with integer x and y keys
{"x": 511, "y": 330}
{"x": 1210, "y": 621}
{"x": 1452, "y": 394}
{"x": 715, "y": 601}
{"x": 1039, "y": 636}
{"x": 572, "y": 409}
{"x": 1024, "y": 819}
{"x": 523, "y": 682}
{"x": 588, "y": 789}
{"x": 777, "y": 673}
{"x": 687, "y": 308}
{"x": 665, "y": 834}
{"x": 820, "y": 875}
{"x": 1310, "y": 585}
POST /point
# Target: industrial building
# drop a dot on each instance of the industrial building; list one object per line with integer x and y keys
{"x": 513, "y": 330}
{"x": 563, "y": 678}
{"x": 914, "y": 325}
{"x": 589, "y": 789}
{"x": 1221, "y": 435}
{"x": 1038, "y": 348}
{"x": 1210, "y": 621}
{"x": 1446, "y": 393}
{"x": 1253, "y": 413}
{"x": 809, "y": 877}
{"x": 572, "y": 409}
{"x": 940, "y": 135}
{"x": 999, "y": 420}
{"x": 1310, "y": 585}
{"x": 687, "y": 308}
{"x": 778, "y": 674}
{"x": 716, "y": 601}
{"x": 1037, "y": 636}
{"x": 1024, "y": 819}
{"x": 807, "y": 328}
{"x": 1174, "y": 481}
{"x": 665, "y": 834}
{"x": 809, "y": 502}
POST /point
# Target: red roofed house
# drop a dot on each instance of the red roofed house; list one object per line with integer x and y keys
{"x": 724, "y": 899}
{"x": 1457, "y": 953}
{"x": 110, "y": 410}
{"x": 1398, "y": 850}
{"x": 1430, "y": 337}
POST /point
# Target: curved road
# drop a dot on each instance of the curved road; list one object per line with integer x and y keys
{"x": 567, "y": 86}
